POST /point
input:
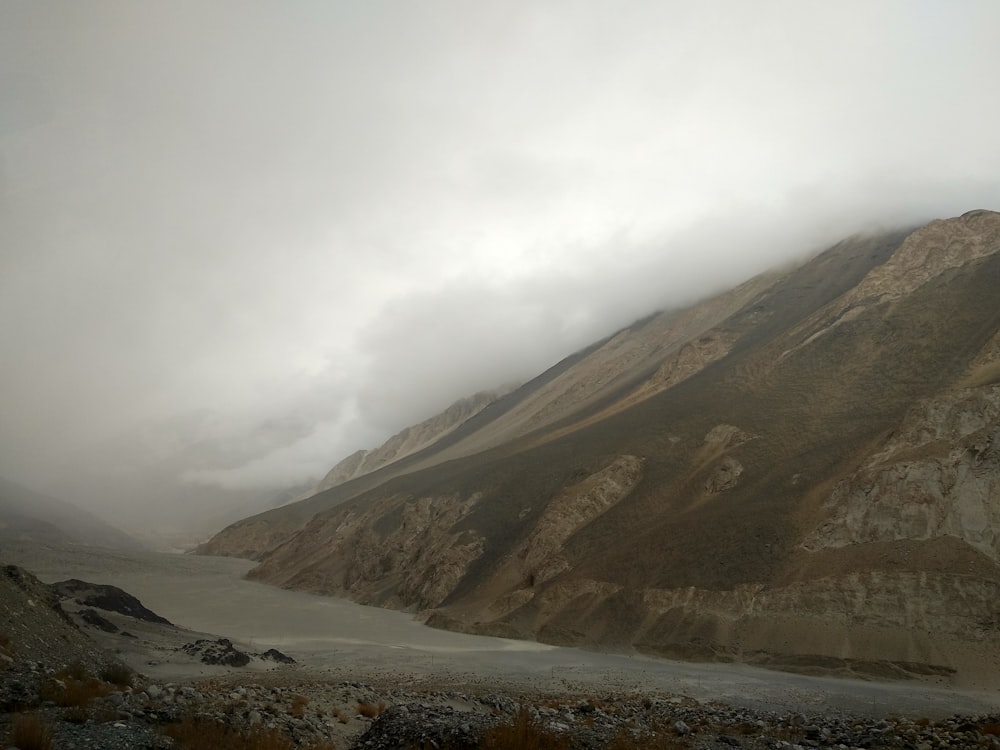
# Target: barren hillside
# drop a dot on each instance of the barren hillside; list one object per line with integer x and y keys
{"x": 802, "y": 472}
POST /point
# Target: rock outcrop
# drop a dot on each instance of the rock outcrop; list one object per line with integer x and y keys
{"x": 937, "y": 475}
{"x": 108, "y": 598}
{"x": 416, "y": 561}
{"x": 540, "y": 556}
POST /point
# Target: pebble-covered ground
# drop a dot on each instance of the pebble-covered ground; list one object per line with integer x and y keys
{"x": 53, "y": 673}
{"x": 370, "y": 717}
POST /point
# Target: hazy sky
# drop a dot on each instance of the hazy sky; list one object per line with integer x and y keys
{"x": 292, "y": 228}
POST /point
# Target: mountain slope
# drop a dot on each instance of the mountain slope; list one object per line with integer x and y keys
{"x": 410, "y": 440}
{"x": 25, "y": 514}
{"x": 805, "y": 470}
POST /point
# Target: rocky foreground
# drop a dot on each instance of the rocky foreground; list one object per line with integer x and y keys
{"x": 292, "y": 713}
{"x": 59, "y": 689}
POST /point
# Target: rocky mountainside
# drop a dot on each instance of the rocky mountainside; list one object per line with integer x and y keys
{"x": 28, "y": 515}
{"x": 802, "y": 472}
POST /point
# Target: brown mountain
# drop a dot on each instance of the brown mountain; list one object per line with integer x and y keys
{"x": 802, "y": 472}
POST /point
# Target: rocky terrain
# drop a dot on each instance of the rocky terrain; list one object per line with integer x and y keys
{"x": 799, "y": 473}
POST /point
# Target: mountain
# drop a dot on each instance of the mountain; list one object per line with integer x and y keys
{"x": 802, "y": 472}
{"x": 28, "y": 515}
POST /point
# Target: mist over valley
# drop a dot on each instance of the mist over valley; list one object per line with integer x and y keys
{"x": 523, "y": 375}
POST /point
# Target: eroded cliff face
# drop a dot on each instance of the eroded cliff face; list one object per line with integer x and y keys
{"x": 928, "y": 252}
{"x": 806, "y": 475}
{"x": 540, "y": 556}
{"x": 740, "y": 620}
{"x": 924, "y": 255}
{"x": 412, "y": 552}
{"x": 250, "y": 539}
{"x": 399, "y": 552}
{"x": 889, "y": 624}
{"x": 938, "y": 475}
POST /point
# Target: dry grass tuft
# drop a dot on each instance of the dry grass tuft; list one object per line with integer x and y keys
{"x": 198, "y": 734}
{"x": 30, "y": 732}
{"x": 76, "y": 670}
{"x": 990, "y": 729}
{"x": 120, "y": 675}
{"x": 652, "y": 741}
{"x": 298, "y": 708}
{"x": 371, "y": 710}
{"x": 73, "y": 688}
{"x": 523, "y": 733}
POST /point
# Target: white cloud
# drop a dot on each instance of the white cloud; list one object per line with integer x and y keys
{"x": 256, "y": 209}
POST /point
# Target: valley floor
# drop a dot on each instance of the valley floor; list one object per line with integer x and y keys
{"x": 336, "y": 640}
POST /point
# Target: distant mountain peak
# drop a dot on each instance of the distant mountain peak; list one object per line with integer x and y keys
{"x": 411, "y": 439}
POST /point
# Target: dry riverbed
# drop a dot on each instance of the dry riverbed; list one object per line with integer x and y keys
{"x": 356, "y": 663}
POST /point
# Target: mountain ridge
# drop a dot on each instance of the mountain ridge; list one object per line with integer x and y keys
{"x": 730, "y": 503}
{"x": 412, "y": 439}
{"x": 26, "y": 514}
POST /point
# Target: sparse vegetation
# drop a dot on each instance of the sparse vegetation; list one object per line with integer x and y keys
{"x": 73, "y": 688}
{"x": 523, "y": 733}
{"x": 990, "y": 729}
{"x": 298, "y": 709}
{"x": 200, "y": 734}
{"x": 647, "y": 741}
{"x": 76, "y": 689}
{"x": 118, "y": 674}
{"x": 30, "y": 732}
{"x": 371, "y": 710}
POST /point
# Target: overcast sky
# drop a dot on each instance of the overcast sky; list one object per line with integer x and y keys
{"x": 301, "y": 226}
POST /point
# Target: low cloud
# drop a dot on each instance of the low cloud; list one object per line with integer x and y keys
{"x": 348, "y": 217}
